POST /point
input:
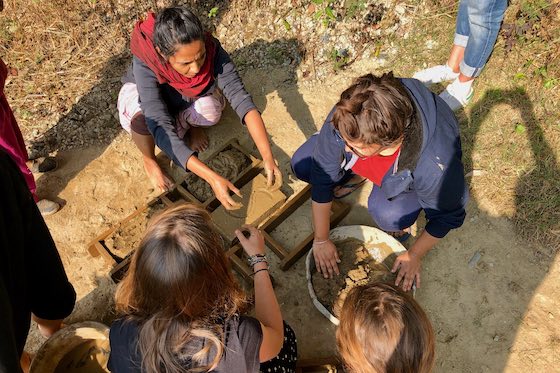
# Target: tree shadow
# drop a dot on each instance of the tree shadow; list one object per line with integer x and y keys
{"x": 536, "y": 191}
{"x": 286, "y": 55}
{"x": 478, "y": 306}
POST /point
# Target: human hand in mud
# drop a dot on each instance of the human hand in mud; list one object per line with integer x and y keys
{"x": 273, "y": 173}
{"x": 326, "y": 258}
{"x": 221, "y": 188}
{"x": 409, "y": 266}
{"x": 253, "y": 243}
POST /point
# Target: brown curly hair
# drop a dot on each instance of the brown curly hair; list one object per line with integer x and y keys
{"x": 374, "y": 110}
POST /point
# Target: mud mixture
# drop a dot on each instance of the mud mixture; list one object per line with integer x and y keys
{"x": 228, "y": 164}
{"x": 127, "y": 237}
{"x": 88, "y": 357}
{"x": 356, "y": 266}
{"x": 257, "y": 203}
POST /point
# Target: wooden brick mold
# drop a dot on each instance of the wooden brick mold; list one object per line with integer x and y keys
{"x": 244, "y": 176}
{"x": 287, "y": 257}
{"x": 114, "y": 245}
{"x": 117, "y": 244}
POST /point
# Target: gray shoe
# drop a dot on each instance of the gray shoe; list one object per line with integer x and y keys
{"x": 43, "y": 164}
{"x": 47, "y": 207}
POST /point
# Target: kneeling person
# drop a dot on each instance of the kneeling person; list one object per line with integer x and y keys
{"x": 405, "y": 140}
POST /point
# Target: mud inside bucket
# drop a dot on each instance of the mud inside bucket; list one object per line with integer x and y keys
{"x": 366, "y": 254}
{"x": 82, "y": 347}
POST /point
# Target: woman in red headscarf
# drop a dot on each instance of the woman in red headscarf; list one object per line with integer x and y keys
{"x": 176, "y": 86}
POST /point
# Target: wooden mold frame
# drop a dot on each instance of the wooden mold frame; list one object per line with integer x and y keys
{"x": 287, "y": 258}
{"x": 243, "y": 178}
{"x": 177, "y": 195}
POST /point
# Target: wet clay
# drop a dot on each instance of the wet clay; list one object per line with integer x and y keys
{"x": 228, "y": 164}
{"x": 88, "y": 357}
{"x": 357, "y": 267}
{"x": 258, "y": 201}
{"x": 128, "y": 236}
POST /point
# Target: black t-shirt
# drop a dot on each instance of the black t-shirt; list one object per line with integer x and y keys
{"x": 241, "y": 353}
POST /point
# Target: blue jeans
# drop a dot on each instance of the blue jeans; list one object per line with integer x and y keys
{"x": 389, "y": 215}
{"x": 478, "y": 24}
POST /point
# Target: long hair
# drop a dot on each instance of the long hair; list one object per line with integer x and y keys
{"x": 176, "y": 26}
{"x": 374, "y": 110}
{"x": 384, "y": 330}
{"x": 180, "y": 290}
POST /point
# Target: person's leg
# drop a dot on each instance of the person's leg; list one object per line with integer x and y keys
{"x": 145, "y": 143}
{"x": 47, "y": 327}
{"x": 461, "y": 39}
{"x": 286, "y": 360}
{"x": 450, "y": 70}
{"x": 205, "y": 111}
{"x": 393, "y": 215}
{"x": 485, "y": 18}
{"x": 133, "y": 121}
{"x": 11, "y": 140}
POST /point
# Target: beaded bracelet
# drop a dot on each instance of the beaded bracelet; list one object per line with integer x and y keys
{"x": 259, "y": 270}
{"x": 257, "y": 258}
{"x": 254, "y": 261}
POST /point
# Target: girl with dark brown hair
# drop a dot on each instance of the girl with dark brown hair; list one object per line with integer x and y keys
{"x": 181, "y": 305}
{"x": 384, "y": 330}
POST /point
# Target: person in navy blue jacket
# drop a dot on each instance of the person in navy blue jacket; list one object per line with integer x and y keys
{"x": 405, "y": 140}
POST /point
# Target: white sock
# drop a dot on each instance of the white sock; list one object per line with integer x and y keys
{"x": 462, "y": 88}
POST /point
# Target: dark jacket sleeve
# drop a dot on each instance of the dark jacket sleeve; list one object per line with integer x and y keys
{"x": 231, "y": 84}
{"x": 160, "y": 122}
{"x": 326, "y": 166}
{"x": 444, "y": 198}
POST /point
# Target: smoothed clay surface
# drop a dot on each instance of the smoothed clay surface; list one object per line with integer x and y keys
{"x": 128, "y": 236}
{"x": 228, "y": 164}
{"x": 357, "y": 267}
{"x": 258, "y": 201}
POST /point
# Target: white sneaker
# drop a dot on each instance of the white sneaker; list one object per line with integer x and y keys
{"x": 457, "y": 95}
{"x": 435, "y": 74}
{"x": 47, "y": 207}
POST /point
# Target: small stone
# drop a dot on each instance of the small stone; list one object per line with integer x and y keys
{"x": 496, "y": 338}
{"x": 475, "y": 259}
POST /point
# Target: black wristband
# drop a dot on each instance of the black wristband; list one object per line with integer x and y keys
{"x": 259, "y": 270}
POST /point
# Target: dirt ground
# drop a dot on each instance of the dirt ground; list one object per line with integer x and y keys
{"x": 500, "y": 314}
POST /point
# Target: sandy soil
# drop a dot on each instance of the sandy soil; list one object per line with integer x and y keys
{"x": 499, "y": 314}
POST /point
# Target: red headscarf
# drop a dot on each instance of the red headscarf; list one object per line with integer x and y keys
{"x": 142, "y": 46}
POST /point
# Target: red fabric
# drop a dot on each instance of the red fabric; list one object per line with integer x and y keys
{"x": 374, "y": 168}
{"x": 141, "y": 46}
{"x": 11, "y": 139}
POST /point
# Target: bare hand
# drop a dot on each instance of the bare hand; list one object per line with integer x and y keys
{"x": 409, "y": 267}
{"x": 221, "y": 188}
{"x": 254, "y": 244}
{"x": 326, "y": 258}
{"x": 273, "y": 173}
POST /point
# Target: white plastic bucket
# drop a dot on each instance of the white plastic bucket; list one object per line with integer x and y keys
{"x": 370, "y": 236}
